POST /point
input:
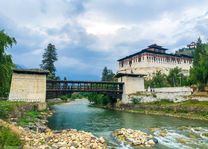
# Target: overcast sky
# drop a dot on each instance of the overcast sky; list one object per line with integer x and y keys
{"x": 91, "y": 34}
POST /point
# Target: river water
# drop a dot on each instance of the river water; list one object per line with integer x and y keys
{"x": 170, "y": 132}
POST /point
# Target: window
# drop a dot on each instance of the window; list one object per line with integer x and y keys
{"x": 130, "y": 62}
{"x": 122, "y": 64}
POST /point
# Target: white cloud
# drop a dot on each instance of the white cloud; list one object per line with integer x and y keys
{"x": 104, "y": 29}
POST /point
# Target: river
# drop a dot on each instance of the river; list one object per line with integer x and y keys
{"x": 179, "y": 133}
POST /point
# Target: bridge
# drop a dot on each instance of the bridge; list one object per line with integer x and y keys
{"x": 32, "y": 86}
{"x": 56, "y": 88}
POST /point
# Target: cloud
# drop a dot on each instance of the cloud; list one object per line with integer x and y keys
{"x": 91, "y": 34}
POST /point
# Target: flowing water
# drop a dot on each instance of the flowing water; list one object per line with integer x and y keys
{"x": 171, "y": 132}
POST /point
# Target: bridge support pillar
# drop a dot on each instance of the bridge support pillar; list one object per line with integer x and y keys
{"x": 28, "y": 85}
{"x": 132, "y": 83}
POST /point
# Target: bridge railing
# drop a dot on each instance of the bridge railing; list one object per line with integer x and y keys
{"x": 57, "y": 85}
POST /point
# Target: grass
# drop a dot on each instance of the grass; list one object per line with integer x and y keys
{"x": 28, "y": 117}
{"x": 27, "y": 112}
{"x": 8, "y": 139}
{"x": 188, "y": 109}
{"x": 6, "y": 108}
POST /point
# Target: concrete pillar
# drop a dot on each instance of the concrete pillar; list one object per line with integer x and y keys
{"x": 132, "y": 83}
{"x": 28, "y": 85}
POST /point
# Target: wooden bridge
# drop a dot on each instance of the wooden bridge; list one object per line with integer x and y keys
{"x": 56, "y": 88}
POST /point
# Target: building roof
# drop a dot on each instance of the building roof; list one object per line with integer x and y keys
{"x": 129, "y": 74}
{"x": 31, "y": 71}
{"x": 148, "y": 51}
{"x": 155, "y": 46}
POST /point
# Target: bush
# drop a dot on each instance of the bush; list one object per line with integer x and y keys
{"x": 8, "y": 107}
{"x": 8, "y": 139}
{"x": 28, "y": 117}
{"x": 135, "y": 100}
{"x": 99, "y": 99}
{"x": 76, "y": 96}
{"x": 64, "y": 98}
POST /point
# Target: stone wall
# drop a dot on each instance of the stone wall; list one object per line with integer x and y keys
{"x": 175, "y": 94}
{"x": 28, "y": 87}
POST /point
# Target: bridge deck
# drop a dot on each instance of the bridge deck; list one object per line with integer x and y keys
{"x": 57, "y": 88}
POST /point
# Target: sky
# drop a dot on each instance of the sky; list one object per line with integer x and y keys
{"x": 92, "y": 34}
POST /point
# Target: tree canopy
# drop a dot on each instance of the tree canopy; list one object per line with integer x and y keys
{"x": 199, "y": 72}
{"x": 49, "y": 58}
{"x": 107, "y": 75}
{"x": 174, "y": 78}
{"x": 158, "y": 80}
{"x": 6, "y": 63}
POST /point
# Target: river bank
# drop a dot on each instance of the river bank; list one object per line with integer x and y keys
{"x": 170, "y": 132}
{"x": 191, "y": 109}
{"x": 27, "y": 126}
{"x": 77, "y": 125}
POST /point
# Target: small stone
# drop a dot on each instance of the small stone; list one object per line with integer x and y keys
{"x": 55, "y": 141}
{"x": 151, "y": 142}
{"x": 102, "y": 140}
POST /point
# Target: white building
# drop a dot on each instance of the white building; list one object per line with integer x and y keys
{"x": 152, "y": 59}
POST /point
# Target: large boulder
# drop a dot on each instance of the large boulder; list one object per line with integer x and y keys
{"x": 135, "y": 138}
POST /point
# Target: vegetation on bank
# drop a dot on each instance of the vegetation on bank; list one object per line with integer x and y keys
{"x": 17, "y": 110}
{"x": 71, "y": 97}
{"x": 188, "y": 109}
{"x": 100, "y": 99}
{"x": 94, "y": 98}
{"x": 8, "y": 108}
{"x": 9, "y": 139}
{"x": 28, "y": 117}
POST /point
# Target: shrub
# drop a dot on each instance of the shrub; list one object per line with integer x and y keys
{"x": 76, "y": 96}
{"x": 28, "y": 117}
{"x": 135, "y": 100}
{"x": 99, "y": 99}
{"x": 9, "y": 139}
{"x": 64, "y": 98}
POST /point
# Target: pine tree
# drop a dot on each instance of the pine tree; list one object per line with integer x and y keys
{"x": 104, "y": 74}
{"x": 107, "y": 75}
{"x": 199, "y": 49}
{"x": 49, "y": 57}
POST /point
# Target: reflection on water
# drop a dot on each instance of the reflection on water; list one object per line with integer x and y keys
{"x": 102, "y": 122}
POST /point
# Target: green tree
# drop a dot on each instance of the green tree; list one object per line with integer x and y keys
{"x": 104, "y": 74}
{"x": 199, "y": 72}
{"x": 158, "y": 80}
{"x": 49, "y": 57}
{"x": 199, "y": 49}
{"x": 175, "y": 77}
{"x": 107, "y": 75}
{"x": 6, "y": 63}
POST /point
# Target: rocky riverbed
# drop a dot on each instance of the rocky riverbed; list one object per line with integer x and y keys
{"x": 66, "y": 139}
{"x": 135, "y": 138}
{"x": 36, "y": 134}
